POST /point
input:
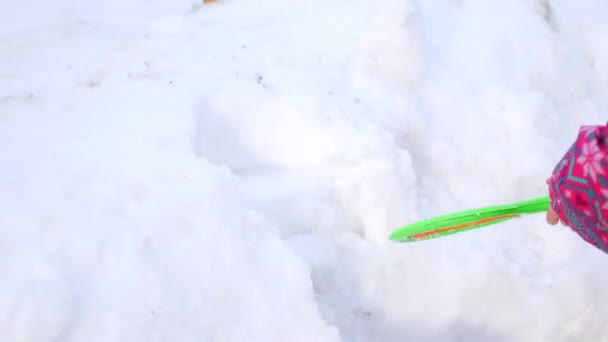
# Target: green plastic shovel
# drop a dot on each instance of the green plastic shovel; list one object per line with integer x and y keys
{"x": 467, "y": 220}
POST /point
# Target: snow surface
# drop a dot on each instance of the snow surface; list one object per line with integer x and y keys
{"x": 174, "y": 171}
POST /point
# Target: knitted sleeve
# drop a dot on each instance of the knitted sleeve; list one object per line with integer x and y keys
{"x": 579, "y": 186}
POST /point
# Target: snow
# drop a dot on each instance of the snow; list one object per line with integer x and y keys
{"x": 180, "y": 171}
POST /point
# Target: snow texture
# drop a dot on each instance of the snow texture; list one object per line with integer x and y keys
{"x": 180, "y": 171}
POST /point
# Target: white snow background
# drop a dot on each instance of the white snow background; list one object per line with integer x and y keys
{"x": 180, "y": 171}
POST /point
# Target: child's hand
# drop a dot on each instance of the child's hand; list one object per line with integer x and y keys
{"x": 552, "y": 217}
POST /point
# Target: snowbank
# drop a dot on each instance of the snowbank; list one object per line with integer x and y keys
{"x": 231, "y": 172}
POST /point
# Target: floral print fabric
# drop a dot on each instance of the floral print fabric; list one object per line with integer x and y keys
{"x": 579, "y": 186}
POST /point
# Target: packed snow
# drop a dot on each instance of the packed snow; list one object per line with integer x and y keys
{"x": 231, "y": 171}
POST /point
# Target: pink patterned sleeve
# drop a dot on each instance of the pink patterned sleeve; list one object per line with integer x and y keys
{"x": 579, "y": 186}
